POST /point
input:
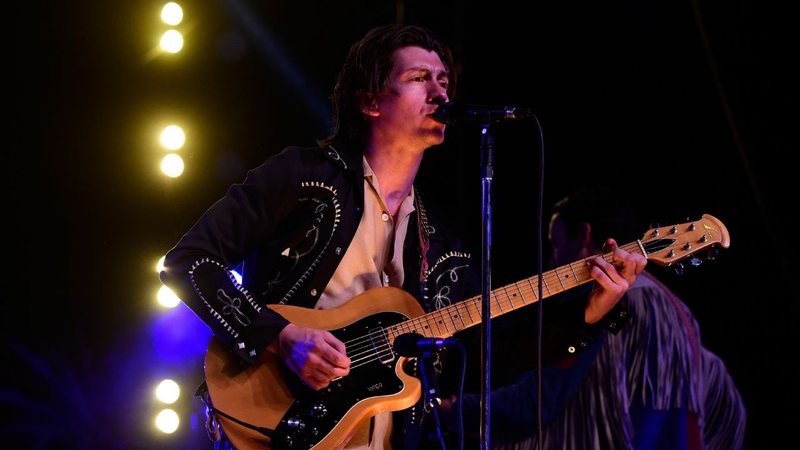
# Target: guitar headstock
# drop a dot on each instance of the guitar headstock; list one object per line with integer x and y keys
{"x": 670, "y": 244}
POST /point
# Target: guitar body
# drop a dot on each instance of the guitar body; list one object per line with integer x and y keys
{"x": 269, "y": 395}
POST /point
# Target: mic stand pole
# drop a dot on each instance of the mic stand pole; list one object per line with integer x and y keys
{"x": 430, "y": 394}
{"x": 487, "y": 172}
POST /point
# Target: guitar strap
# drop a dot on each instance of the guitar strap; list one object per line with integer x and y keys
{"x": 212, "y": 423}
{"x": 423, "y": 230}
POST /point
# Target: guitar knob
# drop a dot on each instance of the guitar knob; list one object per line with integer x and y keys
{"x": 295, "y": 424}
{"x": 679, "y": 268}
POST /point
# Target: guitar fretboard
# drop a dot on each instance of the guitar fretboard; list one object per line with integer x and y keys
{"x": 462, "y": 315}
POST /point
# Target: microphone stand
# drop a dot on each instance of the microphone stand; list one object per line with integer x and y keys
{"x": 430, "y": 395}
{"x": 487, "y": 173}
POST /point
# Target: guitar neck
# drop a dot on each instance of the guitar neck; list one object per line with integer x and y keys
{"x": 462, "y": 315}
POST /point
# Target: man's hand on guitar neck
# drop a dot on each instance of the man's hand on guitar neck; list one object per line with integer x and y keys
{"x": 316, "y": 356}
{"x": 613, "y": 279}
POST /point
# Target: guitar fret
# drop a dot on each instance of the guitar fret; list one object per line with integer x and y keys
{"x": 438, "y": 330}
{"x": 533, "y": 289}
{"x": 522, "y": 297}
{"x": 444, "y": 322}
{"x": 498, "y": 299}
{"x": 544, "y": 282}
{"x": 496, "y": 307}
{"x": 503, "y": 298}
{"x": 574, "y": 275}
{"x": 518, "y": 295}
{"x": 511, "y": 294}
{"x": 558, "y": 277}
{"x": 460, "y": 316}
{"x": 470, "y": 307}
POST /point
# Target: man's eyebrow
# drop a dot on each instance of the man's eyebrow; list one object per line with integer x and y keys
{"x": 427, "y": 69}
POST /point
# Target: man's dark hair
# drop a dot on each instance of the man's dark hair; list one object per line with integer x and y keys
{"x": 602, "y": 208}
{"x": 366, "y": 69}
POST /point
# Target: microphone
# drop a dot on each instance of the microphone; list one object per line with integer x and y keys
{"x": 452, "y": 113}
{"x": 414, "y": 344}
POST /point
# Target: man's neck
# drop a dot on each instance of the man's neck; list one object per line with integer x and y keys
{"x": 396, "y": 169}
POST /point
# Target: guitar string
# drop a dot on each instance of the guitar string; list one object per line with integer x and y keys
{"x": 381, "y": 350}
{"x": 364, "y": 349}
{"x": 363, "y": 354}
{"x": 499, "y": 301}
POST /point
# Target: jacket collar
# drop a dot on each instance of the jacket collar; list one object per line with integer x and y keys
{"x": 347, "y": 156}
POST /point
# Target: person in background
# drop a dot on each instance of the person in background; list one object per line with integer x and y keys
{"x": 652, "y": 386}
{"x": 315, "y": 227}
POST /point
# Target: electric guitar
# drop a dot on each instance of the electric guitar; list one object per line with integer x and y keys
{"x": 266, "y": 406}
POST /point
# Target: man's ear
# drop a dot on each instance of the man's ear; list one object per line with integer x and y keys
{"x": 368, "y": 104}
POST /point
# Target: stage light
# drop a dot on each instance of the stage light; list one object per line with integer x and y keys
{"x": 168, "y": 391}
{"x": 172, "y": 14}
{"x": 167, "y": 298}
{"x": 172, "y": 137}
{"x": 167, "y": 421}
{"x": 171, "y": 41}
{"x": 172, "y": 165}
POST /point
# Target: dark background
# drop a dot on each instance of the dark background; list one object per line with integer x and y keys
{"x": 689, "y": 107}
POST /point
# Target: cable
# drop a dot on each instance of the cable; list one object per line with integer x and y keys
{"x": 459, "y": 407}
{"x": 539, "y": 314}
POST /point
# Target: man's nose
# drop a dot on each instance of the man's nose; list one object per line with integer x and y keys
{"x": 438, "y": 98}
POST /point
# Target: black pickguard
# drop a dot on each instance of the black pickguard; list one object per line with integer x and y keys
{"x": 314, "y": 414}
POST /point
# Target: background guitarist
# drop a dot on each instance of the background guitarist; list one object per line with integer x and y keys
{"x": 313, "y": 227}
{"x": 652, "y": 386}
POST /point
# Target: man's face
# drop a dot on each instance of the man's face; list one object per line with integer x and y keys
{"x": 416, "y": 84}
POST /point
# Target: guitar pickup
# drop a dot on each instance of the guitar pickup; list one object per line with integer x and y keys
{"x": 381, "y": 346}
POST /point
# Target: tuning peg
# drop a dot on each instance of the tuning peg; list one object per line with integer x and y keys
{"x": 712, "y": 253}
{"x": 679, "y": 268}
{"x": 694, "y": 261}
{"x": 656, "y": 232}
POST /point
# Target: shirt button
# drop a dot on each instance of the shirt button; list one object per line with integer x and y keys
{"x": 313, "y": 292}
{"x": 386, "y": 279}
{"x": 338, "y": 250}
{"x": 385, "y": 217}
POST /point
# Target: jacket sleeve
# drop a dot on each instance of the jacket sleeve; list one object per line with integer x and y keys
{"x": 198, "y": 267}
{"x": 233, "y": 315}
{"x": 564, "y": 333}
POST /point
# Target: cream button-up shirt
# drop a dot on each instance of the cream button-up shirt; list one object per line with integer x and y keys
{"x": 373, "y": 259}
